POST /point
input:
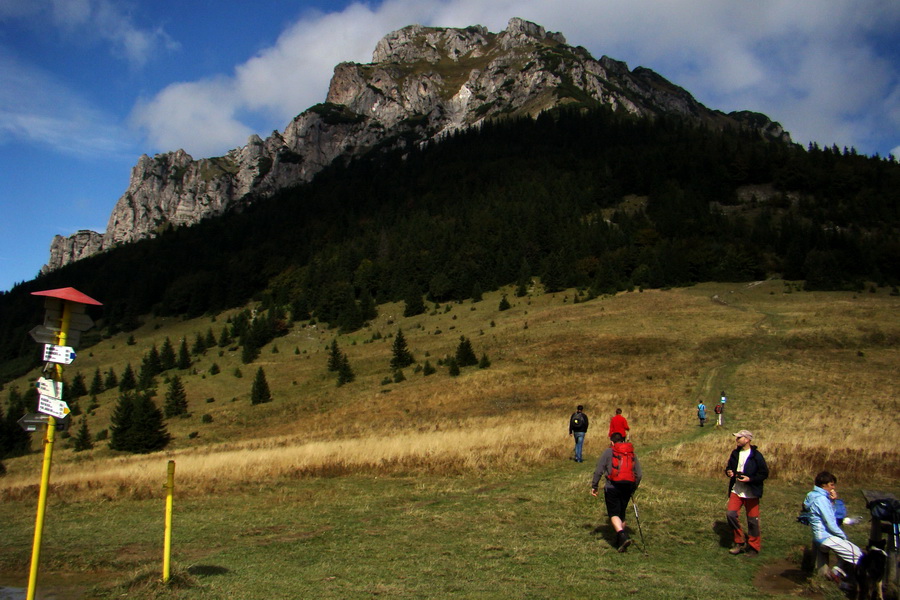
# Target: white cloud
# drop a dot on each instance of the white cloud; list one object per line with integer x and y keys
{"x": 94, "y": 20}
{"x": 37, "y": 109}
{"x": 811, "y": 66}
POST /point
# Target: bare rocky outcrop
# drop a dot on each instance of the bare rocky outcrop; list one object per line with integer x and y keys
{"x": 422, "y": 83}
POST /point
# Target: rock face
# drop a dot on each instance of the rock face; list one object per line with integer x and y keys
{"x": 422, "y": 83}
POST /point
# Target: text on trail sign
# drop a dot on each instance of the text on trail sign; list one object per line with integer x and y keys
{"x": 63, "y": 355}
{"x": 53, "y": 407}
{"x": 48, "y": 387}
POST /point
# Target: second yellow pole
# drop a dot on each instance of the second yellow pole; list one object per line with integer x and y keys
{"x": 167, "y": 544}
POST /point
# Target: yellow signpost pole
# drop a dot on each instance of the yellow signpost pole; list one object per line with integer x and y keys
{"x": 69, "y": 298}
{"x": 167, "y": 544}
{"x": 49, "y": 438}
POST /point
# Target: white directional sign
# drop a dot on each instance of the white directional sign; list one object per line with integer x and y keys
{"x": 53, "y": 407}
{"x": 77, "y": 322}
{"x": 63, "y": 355}
{"x": 48, "y": 387}
{"x": 45, "y": 335}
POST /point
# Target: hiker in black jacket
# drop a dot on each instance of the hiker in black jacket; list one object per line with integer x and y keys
{"x": 746, "y": 470}
{"x": 578, "y": 426}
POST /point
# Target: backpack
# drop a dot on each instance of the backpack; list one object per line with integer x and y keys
{"x": 577, "y": 422}
{"x": 718, "y": 409}
{"x": 885, "y": 509}
{"x": 622, "y": 462}
{"x": 804, "y": 517}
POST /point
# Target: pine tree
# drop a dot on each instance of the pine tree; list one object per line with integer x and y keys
{"x": 210, "y": 340}
{"x": 111, "y": 380}
{"x": 148, "y": 429}
{"x": 465, "y": 355}
{"x": 504, "y": 303}
{"x": 167, "y": 358}
{"x": 259, "y": 392}
{"x": 77, "y": 388}
{"x": 484, "y": 363}
{"x": 413, "y": 304}
{"x": 453, "y": 367}
{"x": 83, "y": 438}
{"x": 402, "y": 357}
{"x": 199, "y": 346}
{"x": 96, "y": 383}
{"x": 225, "y": 337}
{"x": 127, "y": 382}
{"x": 428, "y": 369}
{"x": 137, "y": 425}
{"x": 524, "y": 279}
{"x": 249, "y": 352}
{"x": 184, "y": 357}
{"x": 345, "y": 372}
{"x": 334, "y": 357}
{"x": 367, "y": 305}
{"x": 120, "y": 423}
{"x": 152, "y": 362}
{"x": 176, "y": 398}
{"x": 14, "y": 441}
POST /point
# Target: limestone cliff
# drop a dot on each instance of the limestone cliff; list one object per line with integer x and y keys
{"x": 422, "y": 83}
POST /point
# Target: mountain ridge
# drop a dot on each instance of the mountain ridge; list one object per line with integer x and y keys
{"x": 422, "y": 83}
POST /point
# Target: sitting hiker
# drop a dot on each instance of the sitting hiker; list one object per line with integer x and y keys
{"x": 818, "y": 508}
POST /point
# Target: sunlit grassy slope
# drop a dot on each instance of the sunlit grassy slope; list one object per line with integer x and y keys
{"x": 813, "y": 374}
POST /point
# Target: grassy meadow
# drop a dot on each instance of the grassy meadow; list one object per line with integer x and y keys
{"x": 442, "y": 486}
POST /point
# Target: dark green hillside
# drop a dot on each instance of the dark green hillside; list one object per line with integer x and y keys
{"x": 516, "y": 199}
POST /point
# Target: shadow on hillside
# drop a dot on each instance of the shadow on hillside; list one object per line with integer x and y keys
{"x": 207, "y": 570}
{"x": 723, "y": 530}
{"x": 605, "y": 531}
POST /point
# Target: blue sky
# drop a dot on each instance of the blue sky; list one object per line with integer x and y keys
{"x": 87, "y": 86}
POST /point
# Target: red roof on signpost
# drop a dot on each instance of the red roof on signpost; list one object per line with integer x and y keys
{"x": 70, "y": 294}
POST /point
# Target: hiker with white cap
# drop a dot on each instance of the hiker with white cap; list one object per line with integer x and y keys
{"x": 747, "y": 470}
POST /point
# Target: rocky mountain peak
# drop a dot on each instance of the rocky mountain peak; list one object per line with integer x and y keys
{"x": 422, "y": 83}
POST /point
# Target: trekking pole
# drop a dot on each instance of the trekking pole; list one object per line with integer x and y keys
{"x": 640, "y": 529}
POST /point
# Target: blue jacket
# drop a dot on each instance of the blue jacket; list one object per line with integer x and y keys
{"x": 821, "y": 515}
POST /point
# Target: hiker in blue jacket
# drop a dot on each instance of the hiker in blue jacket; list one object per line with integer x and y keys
{"x": 701, "y": 413}
{"x": 819, "y": 509}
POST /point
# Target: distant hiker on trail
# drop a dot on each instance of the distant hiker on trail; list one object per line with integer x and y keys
{"x": 578, "y": 426}
{"x": 819, "y": 510}
{"x": 723, "y": 399}
{"x": 622, "y": 470}
{"x": 618, "y": 424}
{"x": 719, "y": 410}
{"x": 701, "y": 413}
{"x": 747, "y": 470}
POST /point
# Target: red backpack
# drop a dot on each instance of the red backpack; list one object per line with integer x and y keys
{"x": 622, "y": 462}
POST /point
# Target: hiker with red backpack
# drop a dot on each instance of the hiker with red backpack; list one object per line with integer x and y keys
{"x": 622, "y": 470}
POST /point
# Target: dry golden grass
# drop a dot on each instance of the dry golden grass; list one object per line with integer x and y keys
{"x": 810, "y": 373}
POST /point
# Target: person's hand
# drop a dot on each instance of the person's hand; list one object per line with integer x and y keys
{"x": 743, "y": 479}
{"x": 593, "y": 492}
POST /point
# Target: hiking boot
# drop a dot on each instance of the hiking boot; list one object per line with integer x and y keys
{"x": 623, "y": 542}
{"x": 736, "y": 549}
{"x": 751, "y": 551}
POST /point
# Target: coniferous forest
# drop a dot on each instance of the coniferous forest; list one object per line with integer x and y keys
{"x": 597, "y": 200}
